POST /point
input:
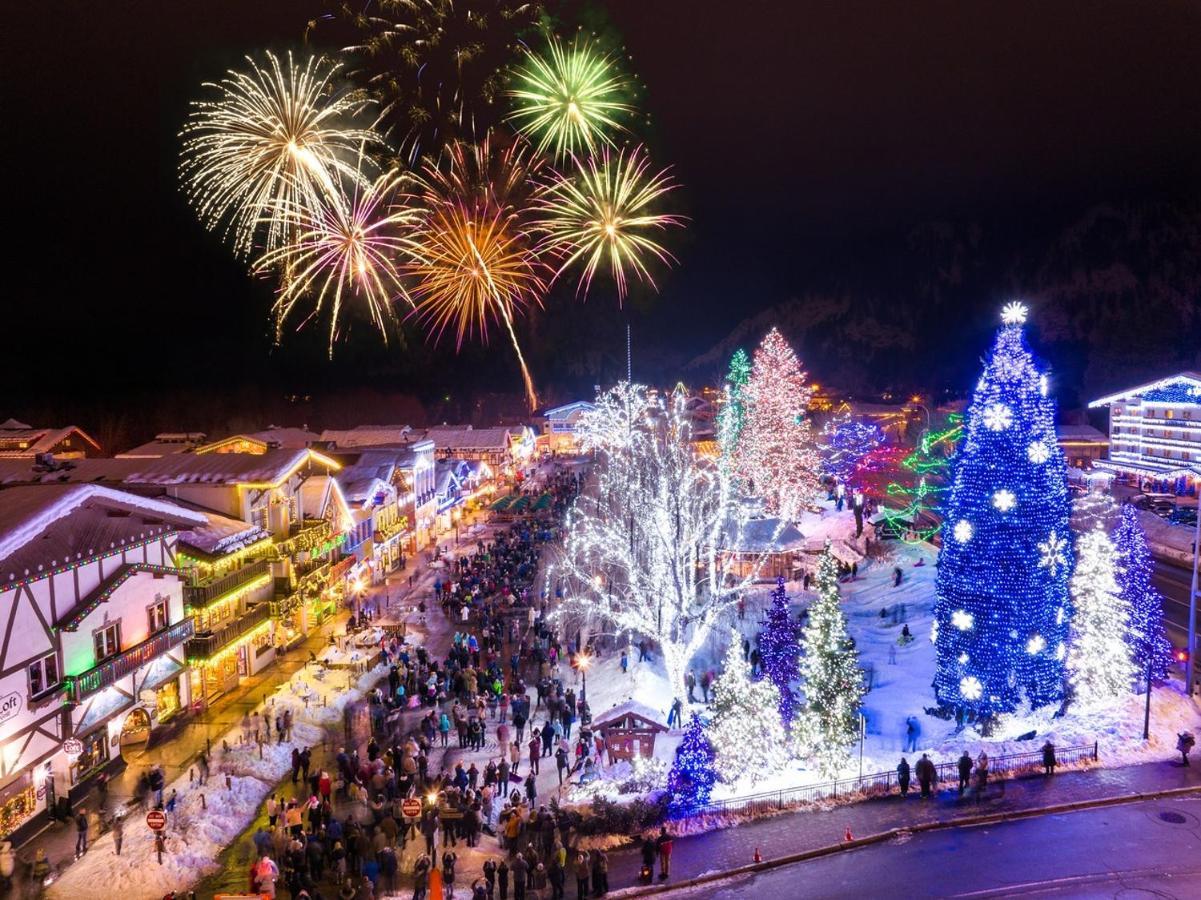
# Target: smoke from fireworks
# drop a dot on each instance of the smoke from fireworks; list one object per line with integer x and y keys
{"x": 276, "y": 138}
{"x": 474, "y": 261}
{"x": 603, "y": 215}
{"x": 569, "y": 98}
{"x": 346, "y": 247}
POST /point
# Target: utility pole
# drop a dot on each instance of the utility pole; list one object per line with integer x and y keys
{"x": 1192, "y": 600}
{"x": 629, "y": 357}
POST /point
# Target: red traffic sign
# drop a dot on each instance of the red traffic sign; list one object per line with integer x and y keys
{"x": 411, "y": 808}
{"x": 156, "y": 819}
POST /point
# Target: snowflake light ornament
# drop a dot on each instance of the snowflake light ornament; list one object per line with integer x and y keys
{"x": 1038, "y": 453}
{"x": 997, "y": 417}
{"x": 970, "y": 687}
{"x": 1004, "y": 500}
{"x": 1014, "y": 313}
{"x": 1052, "y": 553}
{"x": 964, "y": 531}
{"x": 1036, "y": 644}
{"x": 962, "y": 619}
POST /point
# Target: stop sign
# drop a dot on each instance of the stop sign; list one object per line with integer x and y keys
{"x": 156, "y": 819}
{"x": 411, "y": 808}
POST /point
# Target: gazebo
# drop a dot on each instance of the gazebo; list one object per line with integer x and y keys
{"x": 629, "y": 730}
{"x": 765, "y": 547}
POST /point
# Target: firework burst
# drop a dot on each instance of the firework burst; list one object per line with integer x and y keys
{"x": 276, "y": 138}
{"x": 473, "y": 260}
{"x": 569, "y": 99}
{"x": 344, "y": 248}
{"x": 603, "y": 215}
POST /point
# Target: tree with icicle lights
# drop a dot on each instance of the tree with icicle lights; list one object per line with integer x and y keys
{"x": 1001, "y": 594}
{"x": 642, "y": 543}
{"x": 778, "y": 455}
{"x": 1100, "y": 664}
{"x": 746, "y": 730}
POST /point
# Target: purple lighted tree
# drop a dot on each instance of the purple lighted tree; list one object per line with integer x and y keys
{"x": 693, "y": 773}
{"x": 779, "y": 648}
{"x": 1145, "y": 634}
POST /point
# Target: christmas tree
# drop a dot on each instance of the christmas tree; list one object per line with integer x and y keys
{"x": 1099, "y": 659}
{"x": 912, "y": 500}
{"x": 692, "y": 775}
{"x": 746, "y": 732}
{"x": 826, "y": 728}
{"x": 779, "y": 650}
{"x": 777, "y": 453}
{"x": 1001, "y": 593}
{"x": 1148, "y": 641}
{"x": 845, "y": 442}
{"x": 732, "y": 416}
{"x": 1093, "y": 509}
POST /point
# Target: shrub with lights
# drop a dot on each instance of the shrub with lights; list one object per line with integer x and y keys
{"x": 1001, "y": 607}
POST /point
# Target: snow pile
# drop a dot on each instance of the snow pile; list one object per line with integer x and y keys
{"x": 209, "y": 817}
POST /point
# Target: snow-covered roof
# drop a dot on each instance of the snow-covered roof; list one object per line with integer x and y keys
{"x": 569, "y": 409}
{"x": 1188, "y": 379}
{"x": 21, "y": 440}
{"x": 270, "y": 467}
{"x": 1080, "y": 433}
{"x": 622, "y": 710}
{"x": 165, "y": 445}
{"x": 44, "y": 526}
{"x": 289, "y": 438}
{"x": 766, "y": 535}
{"x": 455, "y": 438}
{"x": 366, "y": 435}
{"x": 220, "y": 534}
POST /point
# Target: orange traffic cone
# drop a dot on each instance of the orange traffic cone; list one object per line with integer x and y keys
{"x": 847, "y": 836}
{"x": 757, "y": 858}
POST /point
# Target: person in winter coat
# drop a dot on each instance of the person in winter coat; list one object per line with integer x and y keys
{"x": 981, "y": 775}
{"x": 1049, "y": 761}
{"x": 531, "y": 788}
{"x": 444, "y": 728}
{"x": 266, "y": 874}
{"x": 561, "y": 763}
{"x": 1184, "y": 743}
{"x": 421, "y": 871}
{"x": 926, "y": 773}
{"x": 600, "y": 872}
{"x": 663, "y": 844}
{"x": 535, "y": 751}
{"x": 502, "y": 880}
{"x": 965, "y": 771}
{"x": 520, "y": 870}
{"x": 903, "y": 776}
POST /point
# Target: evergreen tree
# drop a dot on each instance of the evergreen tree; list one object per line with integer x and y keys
{"x": 732, "y": 416}
{"x": 692, "y": 775}
{"x": 745, "y": 730}
{"x": 1001, "y": 592}
{"x": 827, "y": 727}
{"x": 777, "y": 451}
{"x": 1092, "y": 509}
{"x": 1148, "y": 641}
{"x": 845, "y": 442}
{"x": 779, "y": 650}
{"x": 1099, "y": 659}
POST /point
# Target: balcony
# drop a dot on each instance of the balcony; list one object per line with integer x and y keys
{"x": 206, "y": 644}
{"x": 198, "y": 596}
{"x": 113, "y": 670}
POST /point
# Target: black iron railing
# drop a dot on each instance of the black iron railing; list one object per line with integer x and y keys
{"x": 113, "y": 670}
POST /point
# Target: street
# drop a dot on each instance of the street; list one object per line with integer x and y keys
{"x": 1139, "y": 849}
{"x": 1173, "y": 582}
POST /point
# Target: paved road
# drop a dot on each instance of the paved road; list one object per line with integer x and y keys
{"x": 1144, "y": 849}
{"x": 730, "y": 847}
{"x": 1174, "y": 583}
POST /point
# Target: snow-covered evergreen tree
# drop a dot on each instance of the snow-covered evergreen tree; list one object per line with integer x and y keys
{"x": 777, "y": 451}
{"x": 693, "y": 773}
{"x": 1095, "y": 508}
{"x": 827, "y": 726}
{"x": 1099, "y": 660}
{"x": 745, "y": 730}
{"x": 732, "y": 416}
{"x": 1148, "y": 641}
{"x": 779, "y": 650}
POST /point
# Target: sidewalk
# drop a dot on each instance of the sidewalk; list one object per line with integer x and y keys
{"x": 795, "y": 832}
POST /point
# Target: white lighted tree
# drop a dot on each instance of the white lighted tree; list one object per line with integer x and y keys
{"x": 1099, "y": 659}
{"x": 746, "y": 730}
{"x": 642, "y": 543}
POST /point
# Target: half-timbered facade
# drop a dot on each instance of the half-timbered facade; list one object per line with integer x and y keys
{"x": 91, "y": 601}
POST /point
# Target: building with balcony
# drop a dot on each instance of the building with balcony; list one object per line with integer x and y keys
{"x": 559, "y": 427}
{"x": 92, "y": 605}
{"x": 1155, "y": 434}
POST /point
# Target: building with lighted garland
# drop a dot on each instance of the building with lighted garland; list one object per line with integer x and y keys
{"x": 1155, "y": 434}
{"x": 95, "y": 635}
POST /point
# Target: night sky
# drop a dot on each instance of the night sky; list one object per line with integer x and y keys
{"x": 811, "y": 138}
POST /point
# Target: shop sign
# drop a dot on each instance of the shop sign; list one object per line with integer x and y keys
{"x": 10, "y": 705}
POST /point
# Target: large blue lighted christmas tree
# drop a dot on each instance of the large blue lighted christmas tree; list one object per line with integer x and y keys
{"x": 1002, "y": 608}
{"x": 1145, "y": 633}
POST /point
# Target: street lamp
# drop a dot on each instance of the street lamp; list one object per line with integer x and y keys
{"x": 1192, "y": 596}
{"x": 584, "y": 660}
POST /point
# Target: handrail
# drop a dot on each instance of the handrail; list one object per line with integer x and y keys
{"x": 204, "y": 644}
{"x": 202, "y": 594}
{"x": 114, "y": 669}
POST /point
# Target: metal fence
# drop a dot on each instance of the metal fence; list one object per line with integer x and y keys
{"x": 1011, "y": 765}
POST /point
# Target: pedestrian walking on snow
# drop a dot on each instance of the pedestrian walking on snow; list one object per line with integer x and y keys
{"x": 903, "y": 776}
{"x": 1184, "y": 743}
{"x": 926, "y": 773}
{"x": 965, "y": 771}
{"x": 1049, "y": 761}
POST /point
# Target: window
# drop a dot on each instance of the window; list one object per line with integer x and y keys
{"x": 43, "y": 674}
{"x": 107, "y": 641}
{"x": 158, "y": 617}
{"x": 1169, "y": 414}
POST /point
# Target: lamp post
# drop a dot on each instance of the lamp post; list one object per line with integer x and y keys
{"x": 1192, "y": 596}
{"x": 1147, "y": 708}
{"x": 584, "y": 660}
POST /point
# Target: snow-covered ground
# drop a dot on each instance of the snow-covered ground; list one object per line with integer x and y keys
{"x": 900, "y": 688}
{"x": 199, "y": 830}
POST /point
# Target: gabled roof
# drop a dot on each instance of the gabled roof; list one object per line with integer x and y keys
{"x": 235, "y": 443}
{"x": 288, "y": 438}
{"x": 562, "y": 412}
{"x": 45, "y": 526}
{"x": 21, "y": 440}
{"x": 217, "y": 469}
{"x": 628, "y": 708}
{"x": 366, "y": 435}
{"x": 220, "y": 534}
{"x": 165, "y": 445}
{"x": 453, "y": 437}
{"x": 1190, "y": 380}
{"x": 1081, "y": 433}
